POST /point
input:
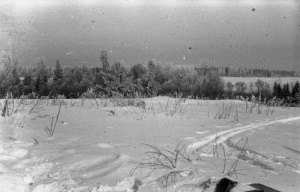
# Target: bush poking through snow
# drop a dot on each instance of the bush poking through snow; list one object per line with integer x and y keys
{"x": 162, "y": 158}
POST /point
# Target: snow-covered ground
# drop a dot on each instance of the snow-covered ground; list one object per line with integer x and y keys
{"x": 95, "y": 147}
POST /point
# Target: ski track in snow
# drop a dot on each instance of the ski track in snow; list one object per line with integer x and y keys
{"x": 224, "y": 135}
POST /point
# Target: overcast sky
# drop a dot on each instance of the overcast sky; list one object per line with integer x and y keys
{"x": 242, "y": 33}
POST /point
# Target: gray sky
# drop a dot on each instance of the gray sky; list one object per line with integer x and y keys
{"x": 242, "y": 33}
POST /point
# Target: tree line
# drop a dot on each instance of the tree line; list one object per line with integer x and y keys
{"x": 247, "y": 72}
{"x": 150, "y": 79}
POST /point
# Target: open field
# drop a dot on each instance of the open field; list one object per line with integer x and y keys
{"x": 104, "y": 145}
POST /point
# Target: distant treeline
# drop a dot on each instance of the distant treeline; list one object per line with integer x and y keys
{"x": 247, "y": 72}
{"x": 150, "y": 79}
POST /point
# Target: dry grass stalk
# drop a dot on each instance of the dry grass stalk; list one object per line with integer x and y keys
{"x": 32, "y": 108}
{"x": 4, "y": 108}
{"x": 22, "y": 99}
{"x": 233, "y": 168}
{"x": 50, "y": 131}
{"x": 9, "y": 100}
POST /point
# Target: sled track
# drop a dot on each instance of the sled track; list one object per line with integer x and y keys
{"x": 224, "y": 135}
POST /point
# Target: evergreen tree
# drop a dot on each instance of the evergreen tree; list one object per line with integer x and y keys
{"x": 77, "y": 74}
{"x": 98, "y": 79}
{"x": 286, "y": 90}
{"x": 275, "y": 90}
{"x": 15, "y": 79}
{"x": 114, "y": 81}
{"x": 104, "y": 61}
{"x": 38, "y": 84}
{"x": 58, "y": 72}
{"x": 296, "y": 88}
{"x": 27, "y": 80}
{"x": 296, "y": 92}
{"x": 42, "y": 78}
{"x": 28, "y": 84}
{"x": 279, "y": 91}
{"x": 297, "y": 97}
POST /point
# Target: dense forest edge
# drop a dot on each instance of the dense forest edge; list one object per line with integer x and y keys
{"x": 147, "y": 80}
